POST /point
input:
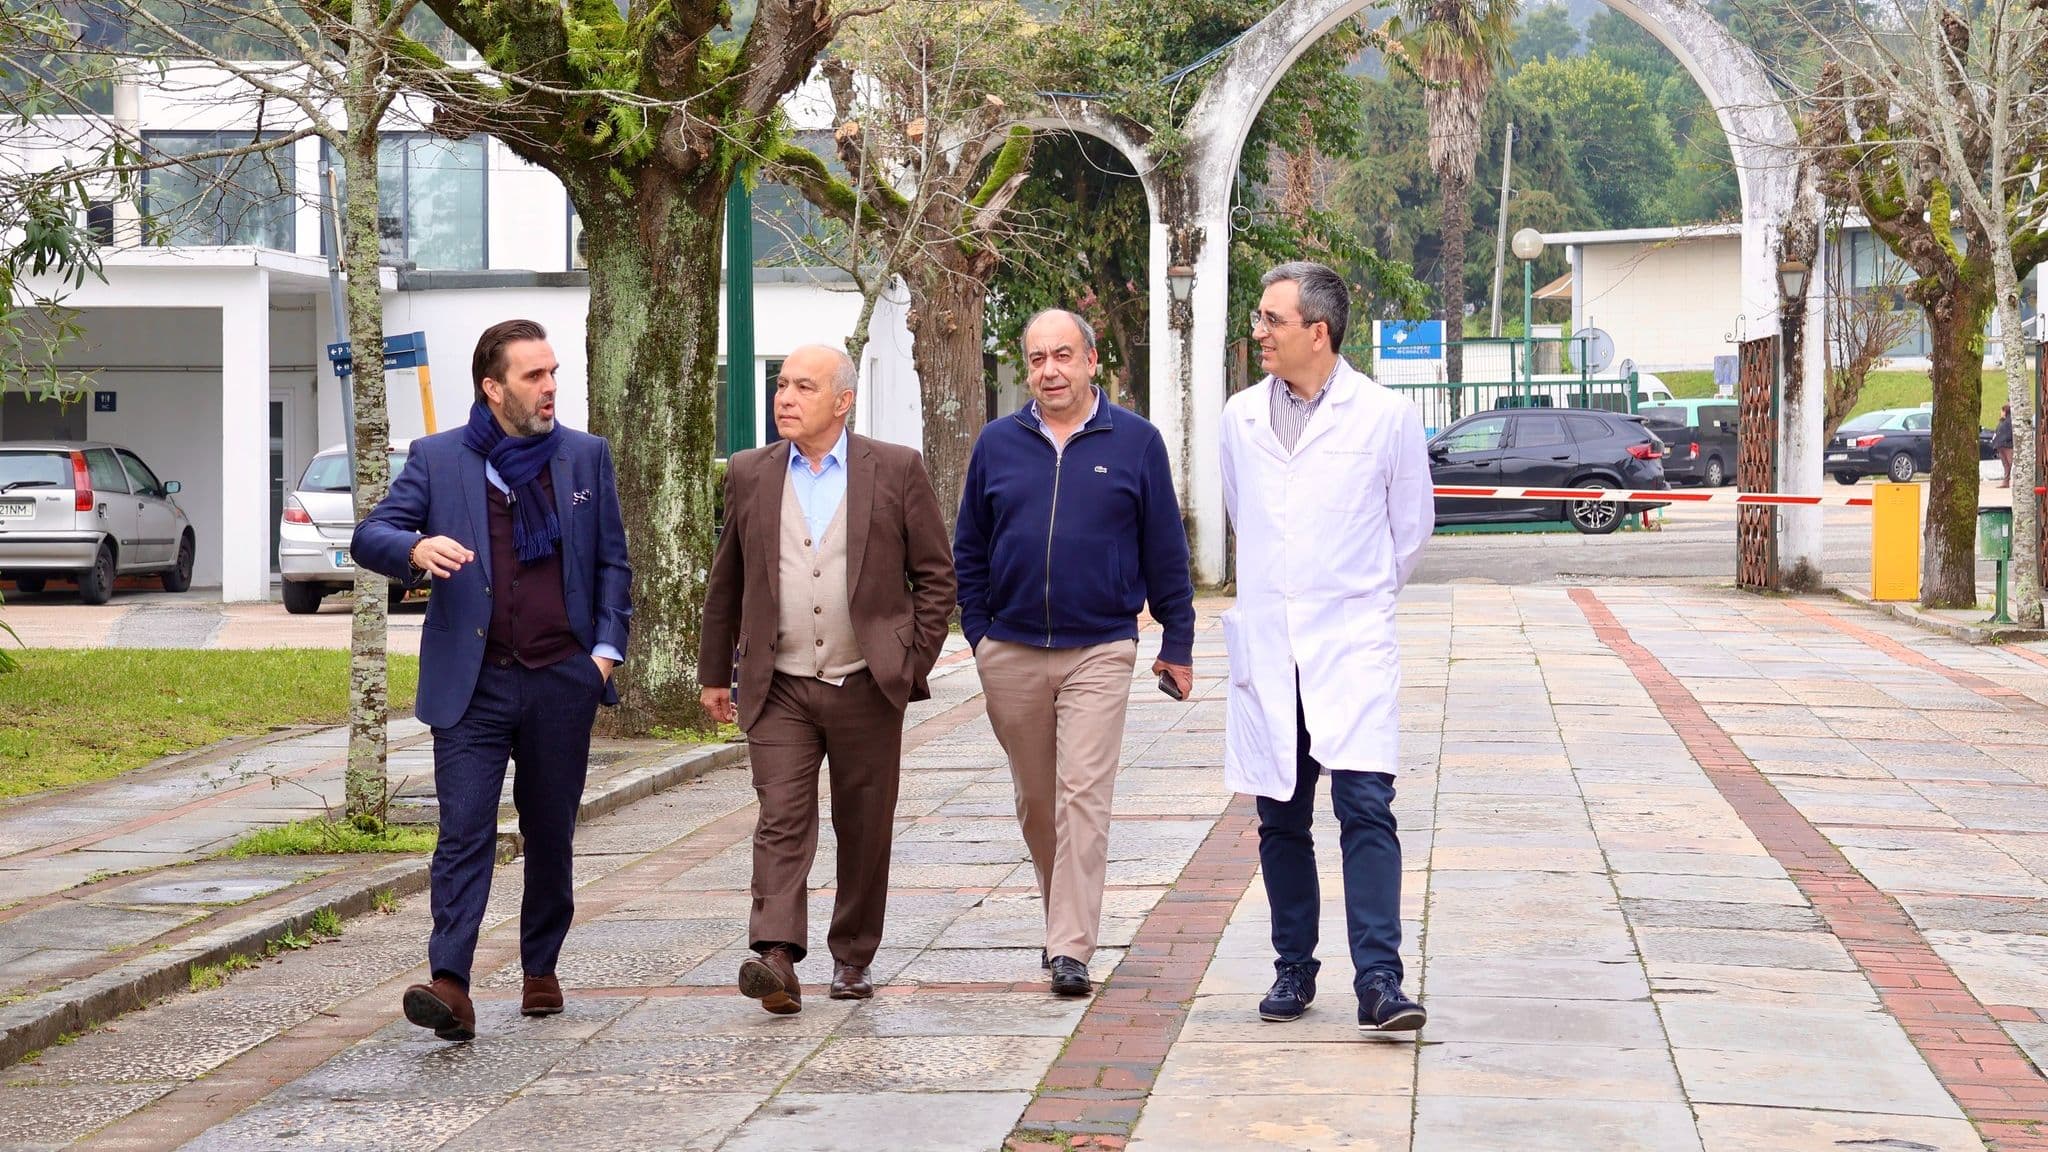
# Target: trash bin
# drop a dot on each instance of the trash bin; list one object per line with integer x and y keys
{"x": 1994, "y": 533}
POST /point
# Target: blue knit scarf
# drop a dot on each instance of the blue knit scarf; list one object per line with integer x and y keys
{"x": 519, "y": 460}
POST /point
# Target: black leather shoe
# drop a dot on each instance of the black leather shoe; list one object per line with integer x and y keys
{"x": 1383, "y": 1007}
{"x": 1070, "y": 977}
{"x": 1294, "y": 989}
{"x": 1044, "y": 961}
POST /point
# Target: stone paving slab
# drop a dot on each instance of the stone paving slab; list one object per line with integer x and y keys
{"x": 1633, "y": 831}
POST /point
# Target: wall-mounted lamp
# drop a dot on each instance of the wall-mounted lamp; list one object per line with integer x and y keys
{"x": 1180, "y": 282}
{"x": 1792, "y": 279}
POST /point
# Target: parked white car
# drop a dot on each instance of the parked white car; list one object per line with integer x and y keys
{"x": 89, "y": 512}
{"x": 314, "y": 532}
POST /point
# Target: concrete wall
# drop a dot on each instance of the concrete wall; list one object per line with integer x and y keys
{"x": 1667, "y": 305}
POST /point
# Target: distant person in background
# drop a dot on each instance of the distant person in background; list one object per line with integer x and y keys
{"x": 2001, "y": 442}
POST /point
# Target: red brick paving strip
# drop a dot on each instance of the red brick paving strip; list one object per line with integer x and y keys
{"x": 1989, "y": 1076}
{"x": 1092, "y": 1094}
{"x": 2012, "y": 698}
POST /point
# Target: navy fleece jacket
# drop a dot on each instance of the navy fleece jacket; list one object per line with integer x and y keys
{"x": 1062, "y": 551}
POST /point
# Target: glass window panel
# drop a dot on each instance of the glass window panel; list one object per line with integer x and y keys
{"x": 140, "y": 478}
{"x": 444, "y": 202}
{"x": 104, "y": 471}
{"x": 1478, "y": 436}
{"x": 242, "y": 199}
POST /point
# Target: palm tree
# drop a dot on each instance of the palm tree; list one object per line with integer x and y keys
{"x": 1456, "y": 46}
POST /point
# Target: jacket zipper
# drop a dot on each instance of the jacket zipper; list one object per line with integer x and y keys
{"x": 1059, "y": 460}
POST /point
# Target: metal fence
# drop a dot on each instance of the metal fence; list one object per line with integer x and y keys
{"x": 1506, "y": 373}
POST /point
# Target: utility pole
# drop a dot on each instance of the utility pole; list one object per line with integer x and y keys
{"x": 1500, "y": 229}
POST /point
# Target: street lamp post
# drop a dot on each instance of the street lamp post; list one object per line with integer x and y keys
{"x": 1528, "y": 245}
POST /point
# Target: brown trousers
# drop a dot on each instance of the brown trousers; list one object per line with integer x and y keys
{"x": 859, "y": 733}
{"x": 1059, "y": 714}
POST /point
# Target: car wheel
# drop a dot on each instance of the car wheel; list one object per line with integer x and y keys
{"x": 1902, "y": 469}
{"x": 96, "y": 584}
{"x": 301, "y": 598}
{"x": 30, "y": 585}
{"x": 179, "y": 578}
{"x": 1594, "y": 517}
{"x": 1849, "y": 478}
{"x": 1717, "y": 475}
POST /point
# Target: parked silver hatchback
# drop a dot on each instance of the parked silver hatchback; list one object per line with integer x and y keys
{"x": 88, "y": 512}
{"x": 313, "y": 534}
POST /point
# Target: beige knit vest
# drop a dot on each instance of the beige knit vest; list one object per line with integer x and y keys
{"x": 814, "y": 632}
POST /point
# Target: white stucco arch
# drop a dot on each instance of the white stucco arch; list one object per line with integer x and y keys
{"x": 1190, "y": 226}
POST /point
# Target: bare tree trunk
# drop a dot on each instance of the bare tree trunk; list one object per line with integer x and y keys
{"x": 2019, "y": 388}
{"x": 653, "y": 349}
{"x": 366, "y": 779}
{"x": 947, "y": 307}
{"x": 1948, "y": 565}
{"x": 1454, "y": 221}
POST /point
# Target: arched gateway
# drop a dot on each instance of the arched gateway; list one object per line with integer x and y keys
{"x": 1190, "y": 205}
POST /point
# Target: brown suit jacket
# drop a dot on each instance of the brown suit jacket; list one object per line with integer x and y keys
{"x": 899, "y": 572}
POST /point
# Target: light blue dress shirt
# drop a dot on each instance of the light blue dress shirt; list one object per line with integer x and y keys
{"x": 819, "y": 493}
{"x": 605, "y": 650}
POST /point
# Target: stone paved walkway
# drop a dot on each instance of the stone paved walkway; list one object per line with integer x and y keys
{"x": 1686, "y": 870}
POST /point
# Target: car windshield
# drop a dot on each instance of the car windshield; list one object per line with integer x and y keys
{"x": 34, "y": 470}
{"x": 1866, "y": 422}
{"x": 329, "y": 472}
{"x": 1665, "y": 417}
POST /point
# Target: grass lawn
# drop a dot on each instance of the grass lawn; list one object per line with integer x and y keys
{"x": 331, "y": 838}
{"x": 1905, "y": 389}
{"x": 72, "y": 716}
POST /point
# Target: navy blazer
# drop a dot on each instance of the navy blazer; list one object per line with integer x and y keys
{"x": 441, "y": 493}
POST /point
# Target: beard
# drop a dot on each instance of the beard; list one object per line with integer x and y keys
{"x": 526, "y": 421}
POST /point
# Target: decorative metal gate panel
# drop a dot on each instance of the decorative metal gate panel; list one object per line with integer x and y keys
{"x": 1756, "y": 463}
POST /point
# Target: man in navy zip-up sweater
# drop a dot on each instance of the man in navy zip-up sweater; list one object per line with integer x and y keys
{"x": 1068, "y": 528}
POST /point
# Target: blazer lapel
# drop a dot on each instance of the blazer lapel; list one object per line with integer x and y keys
{"x": 565, "y": 488}
{"x": 860, "y": 503}
{"x": 473, "y": 500}
{"x": 767, "y": 520}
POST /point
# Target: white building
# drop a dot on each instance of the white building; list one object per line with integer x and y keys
{"x": 206, "y": 347}
{"x": 1662, "y": 293}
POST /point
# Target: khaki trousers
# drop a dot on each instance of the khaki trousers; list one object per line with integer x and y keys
{"x": 856, "y": 732}
{"x": 1059, "y": 714}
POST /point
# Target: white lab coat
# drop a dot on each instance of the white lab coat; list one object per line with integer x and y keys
{"x": 1326, "y": 538}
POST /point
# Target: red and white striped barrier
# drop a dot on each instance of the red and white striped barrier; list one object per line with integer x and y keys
{"x": 1623, "y": 496}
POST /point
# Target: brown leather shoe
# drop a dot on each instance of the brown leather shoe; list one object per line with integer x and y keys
{"x": 442, "y": 1006}
{"x": 771, "y": 979}
{"x": 850, "y": 982}
{"x": 541, "y": 997}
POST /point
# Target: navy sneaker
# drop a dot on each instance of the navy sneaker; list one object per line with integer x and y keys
{"x": 1294, "y": 989}
{"x": 1382, "y": 1007}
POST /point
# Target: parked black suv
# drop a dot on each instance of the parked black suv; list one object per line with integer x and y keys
{"x": 1554, "y": 448}
{"x": 1702, "y": 438}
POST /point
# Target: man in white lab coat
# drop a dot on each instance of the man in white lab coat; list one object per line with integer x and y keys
{"x": 1326, "y": 479}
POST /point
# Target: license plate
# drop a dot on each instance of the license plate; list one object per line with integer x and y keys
{"x": 17, "y": 510}
{"x": 341, "y": 559}
{"x": 1838, "y": 456}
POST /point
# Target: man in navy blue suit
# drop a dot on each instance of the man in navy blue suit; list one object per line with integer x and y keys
{"x": 517, "y": 520}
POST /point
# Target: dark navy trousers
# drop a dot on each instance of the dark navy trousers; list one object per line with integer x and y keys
{"x": 1372, "y": 864}
{"x": 540, "y": 717}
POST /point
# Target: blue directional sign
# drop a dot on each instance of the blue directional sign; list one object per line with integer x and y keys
{"x": 1412, "y": 340}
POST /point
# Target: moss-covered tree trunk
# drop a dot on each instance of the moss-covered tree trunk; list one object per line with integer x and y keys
{"x": 947, "y": 306}
{"x": 1948, "y": 559}
{"x": 369, "y": 708}
{"x": 653, "y": 351}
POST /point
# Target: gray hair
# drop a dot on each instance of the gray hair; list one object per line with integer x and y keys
{"x": 845, "y": 374}
{"x": 1087, "y": 329}
{"x": 1324, "y": 297}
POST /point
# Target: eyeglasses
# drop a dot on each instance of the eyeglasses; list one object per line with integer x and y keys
{"x": 1272, "y": 323}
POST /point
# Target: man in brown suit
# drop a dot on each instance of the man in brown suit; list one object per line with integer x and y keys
{"x": 832, "y": 585}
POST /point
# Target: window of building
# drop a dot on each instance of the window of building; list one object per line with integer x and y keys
{"x": 246, "y": 197}
{"x": 432, "y": 201}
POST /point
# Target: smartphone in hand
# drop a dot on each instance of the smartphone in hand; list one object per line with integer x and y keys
{"x": 1168, "y": 685}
